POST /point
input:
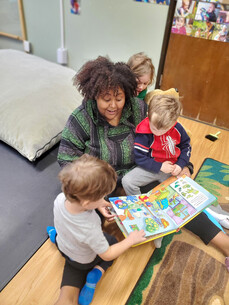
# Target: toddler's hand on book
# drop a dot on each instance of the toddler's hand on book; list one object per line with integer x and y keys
{"x": 137, "y": 237}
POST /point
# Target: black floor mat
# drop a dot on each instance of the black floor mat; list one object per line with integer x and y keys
{"x": 26, "y": 206}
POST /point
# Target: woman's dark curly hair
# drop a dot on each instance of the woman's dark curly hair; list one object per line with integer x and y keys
{"x": 97, "y": 77}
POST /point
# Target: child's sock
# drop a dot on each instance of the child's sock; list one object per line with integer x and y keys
{"x": 157, "y": 242}
{"x": 227, "y": 263}
{"x": 225, "y": 222}
{"x": 87, "y": 292}
{"x": 52, "y": 233}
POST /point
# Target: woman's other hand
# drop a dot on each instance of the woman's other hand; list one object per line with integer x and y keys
{"x": 185, "y": 171}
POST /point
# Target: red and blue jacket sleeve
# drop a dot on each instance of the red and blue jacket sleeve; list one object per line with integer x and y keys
{"x": 142, "y": 153}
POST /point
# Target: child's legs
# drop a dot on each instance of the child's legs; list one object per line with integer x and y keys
{"x": 209, "y": 232}
{"x": 221, "y": 241}
{"x": 73, "y": 280}
{"x": 138, "y": 177}
{"x": 93, "y": 277}
{"x": 203, "y": 227}
{"x": 74, "y": 276}
{"x": 68, "y": 296}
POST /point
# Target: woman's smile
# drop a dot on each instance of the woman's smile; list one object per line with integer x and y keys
{"x": 110, "y": 105}
{"x": 112, "y": 112}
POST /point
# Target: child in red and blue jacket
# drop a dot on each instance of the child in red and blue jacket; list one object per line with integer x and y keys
{"x": 162, "y": 146}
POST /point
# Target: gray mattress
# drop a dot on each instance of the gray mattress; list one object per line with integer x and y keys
{"x": 27, "y": 194}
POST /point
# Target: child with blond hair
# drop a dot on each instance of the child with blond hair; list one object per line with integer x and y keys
{"x": 144, "y": 71}
{"x": 162, "y": 146}
{"x": 87, "y": 250}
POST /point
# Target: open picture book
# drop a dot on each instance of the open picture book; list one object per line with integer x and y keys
{"x": 163, "y": 210}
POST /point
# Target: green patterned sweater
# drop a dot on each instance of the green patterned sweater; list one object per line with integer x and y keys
{"x": 142, "y": 94}
{"x": 87, "y": 131}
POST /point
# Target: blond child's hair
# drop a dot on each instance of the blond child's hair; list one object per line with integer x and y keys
{"x": 164, "y": 110}
{"x": 87, "y": 178}
{"x": 141, "y": 64}
{"x": 188, "y": 2}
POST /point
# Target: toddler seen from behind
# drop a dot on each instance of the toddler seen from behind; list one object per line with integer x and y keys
{"x": 87, "y": 250}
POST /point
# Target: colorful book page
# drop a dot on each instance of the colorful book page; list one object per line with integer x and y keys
{"x": 164, "y": 210}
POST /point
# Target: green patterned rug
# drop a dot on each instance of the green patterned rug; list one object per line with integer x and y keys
{"x": 184, "y": 271}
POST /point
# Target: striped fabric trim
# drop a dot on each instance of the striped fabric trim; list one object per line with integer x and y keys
{"x": 138, "y": 144}
{"x": 90, "y": 285}
{"x": 140, "y": 148}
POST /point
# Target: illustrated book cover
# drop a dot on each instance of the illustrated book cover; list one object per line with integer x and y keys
{"x": 163, "y": 210}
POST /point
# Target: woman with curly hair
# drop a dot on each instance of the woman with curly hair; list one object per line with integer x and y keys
{"x": 104, "y": 125}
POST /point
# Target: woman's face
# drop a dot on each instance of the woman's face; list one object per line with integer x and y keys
{"x": 110, "y": 106}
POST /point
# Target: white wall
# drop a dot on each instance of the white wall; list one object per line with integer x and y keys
{"x": 117, "y": 28}
{"x": 10, "y": 24}
{"x": 43, "y": 27}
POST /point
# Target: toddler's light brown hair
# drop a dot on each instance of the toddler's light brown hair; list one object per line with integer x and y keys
{"x": 141, "y": 64}
{"x": 87, "y": 178}
{"x": 164, "y": 111}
